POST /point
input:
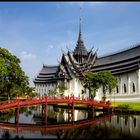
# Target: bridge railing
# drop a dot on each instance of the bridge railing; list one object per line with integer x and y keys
{"x": 54, "y": 100}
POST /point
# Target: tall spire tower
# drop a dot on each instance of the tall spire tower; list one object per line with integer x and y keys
{"x": 80, "y": 51}
{"x": 80, "y": 30}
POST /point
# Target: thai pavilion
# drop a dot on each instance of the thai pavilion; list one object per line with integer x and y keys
{"x": 125, "y": 65}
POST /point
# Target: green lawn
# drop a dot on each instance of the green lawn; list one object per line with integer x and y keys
{"x": 132, "y": 105}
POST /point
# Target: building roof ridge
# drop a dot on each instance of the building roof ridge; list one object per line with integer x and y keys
{"x": 50, "y": 66}
{"x": 120, "y": 51}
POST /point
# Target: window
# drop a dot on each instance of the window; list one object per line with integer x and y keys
{"x": 124, "y": 88}
{"x": 133, "y": 87}
{"x": 117, "y": 89}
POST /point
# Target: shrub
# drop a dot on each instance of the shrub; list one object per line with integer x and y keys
{"x": 124, "y": 106}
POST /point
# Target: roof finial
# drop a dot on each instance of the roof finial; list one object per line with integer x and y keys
{"x": 68, "y": 48}
{"x": 80, "y": 20}
{"x": 63, "y": 51}
{"x": 80, "y": 24}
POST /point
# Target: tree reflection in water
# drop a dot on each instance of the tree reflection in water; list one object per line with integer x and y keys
{"x": 6, "y": 135}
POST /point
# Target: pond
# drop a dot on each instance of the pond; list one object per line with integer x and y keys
{"x": 54, "y": 122}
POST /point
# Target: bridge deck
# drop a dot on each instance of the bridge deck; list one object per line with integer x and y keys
{"x": 51, "y": 100}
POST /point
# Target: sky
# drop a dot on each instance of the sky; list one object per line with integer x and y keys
{"x": 37, "y": 32}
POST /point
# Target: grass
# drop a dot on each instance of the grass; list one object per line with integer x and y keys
{"x": 75, "y": 105}
{"x": 122, "y": 105}
{"x": 131, "y": 105}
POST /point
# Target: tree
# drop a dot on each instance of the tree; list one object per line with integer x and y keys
{"x": 31, "y": 92}
{"x": 52, "y": 92}
{"x": 108, "y": 82}
{"x": 13, "y": 80}
{"x": 62, "y": 87}
{"x": 91, "y": 82}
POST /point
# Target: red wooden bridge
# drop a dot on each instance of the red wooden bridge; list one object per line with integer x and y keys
{"x": 10, "y": 104}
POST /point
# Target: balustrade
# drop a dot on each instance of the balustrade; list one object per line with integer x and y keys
{"x": 52, "y": 100}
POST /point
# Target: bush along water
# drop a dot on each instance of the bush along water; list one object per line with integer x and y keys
{"x": 124, "y": 106}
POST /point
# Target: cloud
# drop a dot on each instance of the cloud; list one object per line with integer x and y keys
{"x": 86, "y": 3}
{"x": 77, "y": 3}
{"x": 58, "y": 45}
{"x": 49, "y": 48}
{"x": 27, "y": 56}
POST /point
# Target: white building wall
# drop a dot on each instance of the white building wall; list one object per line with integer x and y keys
{"x": 75, "y": 87}
{"x": 134, "y": 79}
{"x": 119, "y": 85}
{"x": 43, "y": 89}
{"x": 131, "y": 92}
{"x": 124, "y": 82}
{"x": 99, "y": 94}
{"x": 79, "y": 88}
{"x": 128, "y": 80}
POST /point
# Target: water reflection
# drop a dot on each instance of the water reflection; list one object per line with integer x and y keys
{"x": 54, "y": 122}
{"x": 128, "y": 124}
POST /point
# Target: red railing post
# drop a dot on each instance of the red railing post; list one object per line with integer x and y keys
{"x": 93, "y": 106}
{"x": 18, "y": 103}
{"x": 46, "y": 99}
{"x": 73, "y": 98}
{"x": 17, "y": 116}
{"x": 17, "y": 112}
{"x": 73, "y": 109}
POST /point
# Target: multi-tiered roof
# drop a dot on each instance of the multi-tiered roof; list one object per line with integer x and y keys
{"x": 74, "y": 64}
{"x": 119, "y": 63}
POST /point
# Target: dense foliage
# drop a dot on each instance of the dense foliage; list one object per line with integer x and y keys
{"x": 108, "y": 81}
{"x": 104, "y": 79}
{"x": 52, "y": 92}
{"x": 62, "y": 87}
{"x": 13, "y": 80}
{"x": 92, "y": 83}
